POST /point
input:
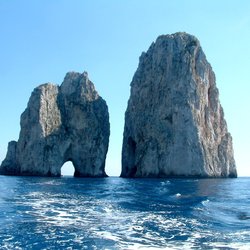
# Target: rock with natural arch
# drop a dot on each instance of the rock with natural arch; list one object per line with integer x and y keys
{"x": 61, "y": 123}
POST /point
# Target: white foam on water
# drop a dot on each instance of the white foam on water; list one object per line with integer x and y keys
{"x": 205, "y": 202}
{"x": 164, "y": 183}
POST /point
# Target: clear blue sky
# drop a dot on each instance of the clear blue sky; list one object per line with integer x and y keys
{"x": 42, "y": 40}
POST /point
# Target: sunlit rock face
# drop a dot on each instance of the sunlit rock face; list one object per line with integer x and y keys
{"x": 61, "y": 123}
{"x": 174, "y": 123}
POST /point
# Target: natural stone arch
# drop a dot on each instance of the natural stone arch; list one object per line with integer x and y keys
{"x": 61, "y": 123}
{"x": 68, "y": 169}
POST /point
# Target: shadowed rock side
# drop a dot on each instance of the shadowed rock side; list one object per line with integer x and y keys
{"x": 60, "y": 124}
{"x": 174, "y": 123}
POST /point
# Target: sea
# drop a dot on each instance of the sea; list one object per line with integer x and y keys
{"x": 117, "y": 213}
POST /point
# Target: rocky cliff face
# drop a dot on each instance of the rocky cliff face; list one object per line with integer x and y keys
{"x": 66, "y": 123}
{"x": 174, "y": 123}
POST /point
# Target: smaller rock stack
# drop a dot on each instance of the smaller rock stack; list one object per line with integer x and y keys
{"x": 60, "y": 124}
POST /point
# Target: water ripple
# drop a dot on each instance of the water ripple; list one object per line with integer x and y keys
{"x": 115, "y": 213}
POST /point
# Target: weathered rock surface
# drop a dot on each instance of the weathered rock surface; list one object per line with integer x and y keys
{"x": 174, "y": 123}
{"x": 60, "y": 124}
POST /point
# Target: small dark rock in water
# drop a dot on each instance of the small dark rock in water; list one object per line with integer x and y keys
{"x": 243, "y": 216}
{"x": 174, "y": 123}
{"x": 66, "y": 123}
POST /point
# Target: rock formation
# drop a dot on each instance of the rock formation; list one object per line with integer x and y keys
{"x": 60, "y": 124}
{"x": 174, "y": 123}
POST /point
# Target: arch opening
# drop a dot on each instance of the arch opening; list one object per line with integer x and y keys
{"x": 68, "y": 169}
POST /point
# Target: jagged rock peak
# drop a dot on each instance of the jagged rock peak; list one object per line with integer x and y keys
{"x": 61, "y": 123}
{"x": 174, "y": 123}
{"x": 76, "y": 82}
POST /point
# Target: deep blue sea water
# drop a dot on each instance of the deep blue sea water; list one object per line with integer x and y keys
{"x": 115, "y": 213}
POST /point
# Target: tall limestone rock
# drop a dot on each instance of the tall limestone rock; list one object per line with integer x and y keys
{"x": 174, "y": 123}
{"x": 60, "y": 124}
